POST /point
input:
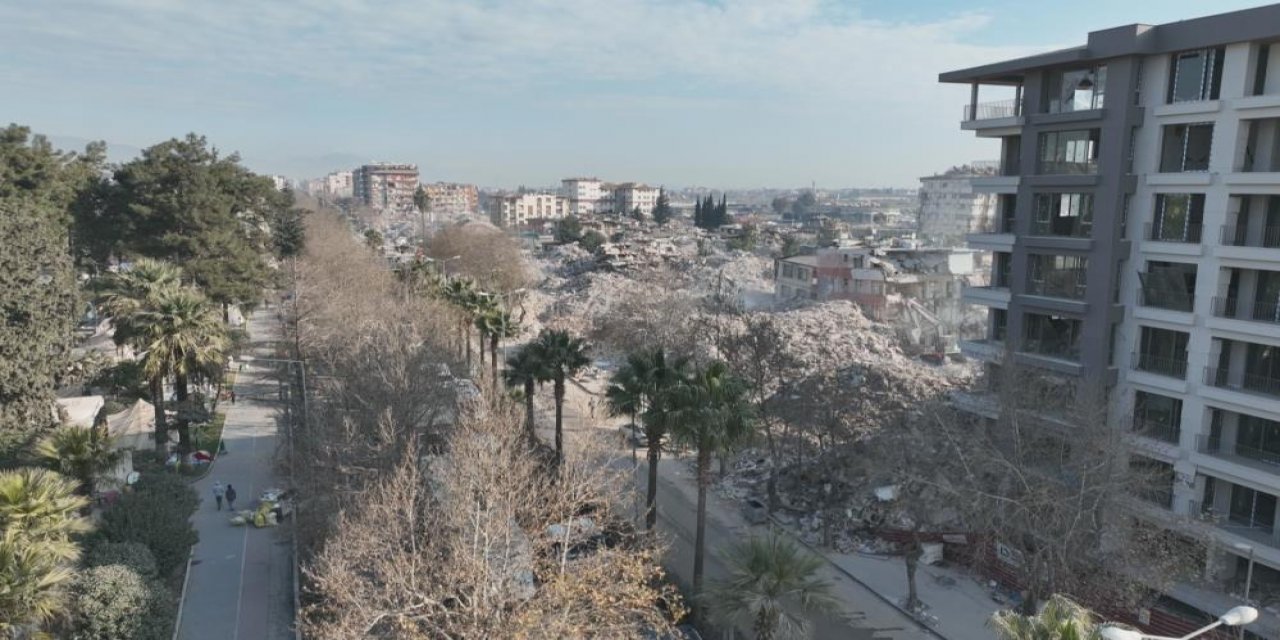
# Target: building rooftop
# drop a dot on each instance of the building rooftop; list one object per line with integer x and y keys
{"x": 1134, "y": 39}
{"x": 808, "y": 261}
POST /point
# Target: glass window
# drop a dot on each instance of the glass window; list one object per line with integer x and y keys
{"x": 1157, "y": 416}
{"x": 1058, "y": 276}
{"x": 1063, "y": 214}
{"x": 1075, "y": 89}
{"x": 1186, "y": 147}
{"x": 1054, "y": 336}
{"x": 1196, "y": 75}
{"x": 1179, "y": 217}
{"x": 1071, "y": 152}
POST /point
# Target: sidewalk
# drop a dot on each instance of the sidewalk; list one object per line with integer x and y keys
{"x": 240, "y": 586}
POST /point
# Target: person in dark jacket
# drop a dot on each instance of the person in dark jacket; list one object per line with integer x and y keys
{"x": 231, "y": 497}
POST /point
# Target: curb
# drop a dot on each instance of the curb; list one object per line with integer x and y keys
{"x": 790, "y": 534}
{"x": 182, "y": 597}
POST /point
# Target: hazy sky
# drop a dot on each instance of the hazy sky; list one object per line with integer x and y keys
{"x": 721, "y": 93}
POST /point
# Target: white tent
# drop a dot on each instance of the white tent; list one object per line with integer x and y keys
{"x": 134, "y": 427}
{"x": 81, "y": 410}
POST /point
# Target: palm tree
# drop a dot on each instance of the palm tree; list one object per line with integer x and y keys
{"x": 562, "y": 356}
{"x": 123, "y": 295}
{"x": 80, "y": 452}
{"x": 710, "y": 413}
{"x": 40, "y": 506}
{"x": 640, "y": 387}
{"x": 771, "y": 586}
{"x": 499, "y": 325}
{"x": 184, "y": 337}
{"x": 458, "y": 292}
{"x": 525, "y": 369}
{"x": 478, "y": 307}
{"x": 33, "y": 587}
{"x": 1060, "y": 619}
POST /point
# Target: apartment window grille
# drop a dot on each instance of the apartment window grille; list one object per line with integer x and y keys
{"x": 1064, "y": 214}
{"x": 1058, "y": 276}
{"x": 1196, "y": 75}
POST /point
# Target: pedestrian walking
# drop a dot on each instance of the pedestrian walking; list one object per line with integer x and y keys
{"x": 218, "y": 492}
{"x": 231, "y": 497}
{"x": 233, "y": 396}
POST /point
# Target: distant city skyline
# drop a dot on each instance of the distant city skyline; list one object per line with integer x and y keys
{"x": 727, "y": 94}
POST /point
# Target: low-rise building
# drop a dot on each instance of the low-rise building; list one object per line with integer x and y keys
{"x": 338, "y": 184}
{"x": 515, "y": 211}
{"x": 629, "y": 196}
{"x": 950, "y": 209}
{"x": 586, "y": 196}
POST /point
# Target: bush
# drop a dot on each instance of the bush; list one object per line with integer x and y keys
{"x": 134, "y": 555}
{"x": 113, "y": 602}
{"x": 156, "y": 514}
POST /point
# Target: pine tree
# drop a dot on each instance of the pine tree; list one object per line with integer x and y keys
{"x": 697, "y": 213}
{"x": 38, "y": 293}
{"x": 662, "y": 209}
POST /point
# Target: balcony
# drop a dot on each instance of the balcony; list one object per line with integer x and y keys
{"x": 994, "y": 110}
{"x": 1242, "y": 381}
{"x": 992, "y": 235}
{"x": 1265, "y": 238}
{"x": 984, "y": 350}
{"x": 1160, "y": 365}
{"x": 1257, "y": 458}
{"x": 1068, "y": 168}
{"x": 1173, "y": 233}
{"x": 1066, "y": 283}
{"x": 1061, "y": 228}
{"x": 1165, "y": 298}
{"x": 992, "y": 296}
{"x": 1262, "y": 533}
{"x": 1236, "y": 309}
{"x": 1157, "y": 430}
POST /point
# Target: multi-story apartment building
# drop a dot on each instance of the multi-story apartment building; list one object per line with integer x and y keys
{"x": 385, "y": 186}
{"x": 586, "y": 196}
{"x": 515, "y": 211}
{"x": 629, "y": 196}
{"x": 950, "y": 209}
{"x": 1138, "y": 242}
{"x": 451, "y": 198}
{"x": 338, "y": 184}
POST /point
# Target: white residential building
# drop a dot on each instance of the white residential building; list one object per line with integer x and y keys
{"x": 513, "y": 211}
{"x": 338, "y": 184}
{"x": 629, "y": 196}
{"x": 586, "y": 196}
{"x": 949, "y": 207}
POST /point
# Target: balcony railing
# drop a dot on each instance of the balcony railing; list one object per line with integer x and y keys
{"x": 994, "y": 225}
{"x": 1266, "y": 237}
{"x": 1161, "y": 365}
{"x": 992, "y": 110}
{"x": 1237, "y": 523}
{"x": 1066, "y": 283}
{"x": 1164, "y": 298}
{"x": 1051, "y": 348}
{"x": 1060, "y": 229}
{"x": 1233, "y": 308}
{"x": 1063, "y": 167}
{"x": 1173, "y": 233}
{"x": 1156, "y": 430}
{"x": 1216, "y": 447}
{"x": 1243, "y": 381}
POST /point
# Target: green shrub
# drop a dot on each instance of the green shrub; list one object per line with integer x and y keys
{"x": 156, "y": 514}
{"x": 113, "y": 602}
{"x": 134, "y": 555}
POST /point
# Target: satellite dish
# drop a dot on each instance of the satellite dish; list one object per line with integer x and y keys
{"x": 132, "y": 478}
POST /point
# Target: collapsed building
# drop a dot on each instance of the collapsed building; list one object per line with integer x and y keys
{"x": 916, "y": 288}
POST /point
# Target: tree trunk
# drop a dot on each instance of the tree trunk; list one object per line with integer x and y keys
{"x": 651, "y": 496}
{"x": 162, "y": 425}
{"x": 184, "y": 417}
{"x": 700, "y": 537}
{"x": 766, "y": 623}
{"x": 480, "y": 336}
{"x": 466, "y": 337}
{"x": 912, "y": 558}
{"x": 493, "y": 360}
{"x": 528, "y": 411}
{"x": 771, "y": 483}
{"x": 559, "y": 392}
{"x": 226, "y": 313}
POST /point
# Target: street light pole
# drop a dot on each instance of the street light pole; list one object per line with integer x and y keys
{"x": 1236, "y": 617}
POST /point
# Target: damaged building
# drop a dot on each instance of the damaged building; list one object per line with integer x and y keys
{"x": 900, "y": 282}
